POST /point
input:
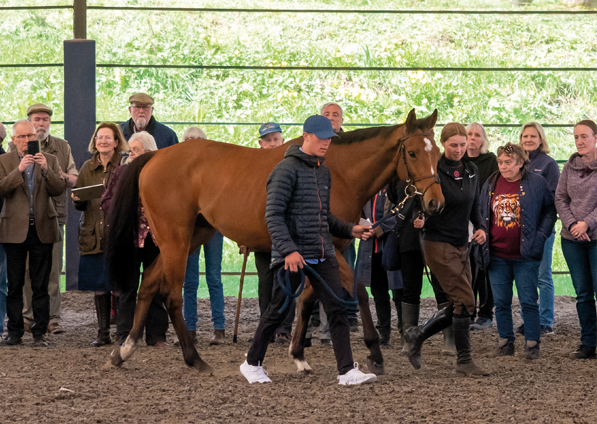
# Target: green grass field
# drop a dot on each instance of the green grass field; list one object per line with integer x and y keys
{"x": 238, "y": 100}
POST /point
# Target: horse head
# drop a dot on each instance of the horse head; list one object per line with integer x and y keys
{"x": 417, "y": 161}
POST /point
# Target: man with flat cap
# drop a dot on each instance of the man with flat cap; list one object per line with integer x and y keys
{"x": 40, "y": 116}
{"x": 28, "y": 228}
{"x": 142, "y": 119}
{"x": 302, "y": 227}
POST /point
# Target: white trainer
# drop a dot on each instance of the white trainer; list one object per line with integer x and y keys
{"x": 355, "y": 376}
{"x": 254, "y": 374}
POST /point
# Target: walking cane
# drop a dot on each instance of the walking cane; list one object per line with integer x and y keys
{"x": 240, "y": 295}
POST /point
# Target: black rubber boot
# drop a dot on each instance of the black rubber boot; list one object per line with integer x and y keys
{"x": 384, "y": 320}
{"x": 449, "y": 348}
{"x": 415, "y": 336}
{"x": 464, "y": 361}
{"x": 410, "y": 318}
{"x": 103, "y": 305}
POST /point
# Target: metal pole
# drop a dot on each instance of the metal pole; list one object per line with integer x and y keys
{"x": 80, "y": 19}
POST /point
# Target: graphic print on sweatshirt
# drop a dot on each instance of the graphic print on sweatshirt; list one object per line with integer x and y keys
{"x": 506, "y": 211}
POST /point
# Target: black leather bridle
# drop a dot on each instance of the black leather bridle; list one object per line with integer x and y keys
{"x": 411, "y": 189}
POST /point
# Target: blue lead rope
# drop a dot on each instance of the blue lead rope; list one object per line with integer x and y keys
{"x": 287, "y": 289}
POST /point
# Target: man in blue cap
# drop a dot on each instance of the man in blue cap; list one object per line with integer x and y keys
{"x": 302, "y": 227}
{"x": 270, "y": 135}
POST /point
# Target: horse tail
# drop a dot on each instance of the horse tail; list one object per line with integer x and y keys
{"x": 123, "y": 227}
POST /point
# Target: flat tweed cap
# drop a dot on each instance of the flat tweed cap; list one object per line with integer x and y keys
{"x": 38, "y": 107}
{"x": 141, "y": 98}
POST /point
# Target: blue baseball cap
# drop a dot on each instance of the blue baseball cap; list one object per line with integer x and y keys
{"x": 319, "y": 125}
{"x": 269, "y": 127}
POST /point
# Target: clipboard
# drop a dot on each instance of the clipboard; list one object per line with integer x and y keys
{"x": 89, "y": 192}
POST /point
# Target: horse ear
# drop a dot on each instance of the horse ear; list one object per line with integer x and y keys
{"x": 432, "y": 119}
{"x": 412, "y": 117}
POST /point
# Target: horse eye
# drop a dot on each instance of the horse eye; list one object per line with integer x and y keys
{"x": 412, "y": 154}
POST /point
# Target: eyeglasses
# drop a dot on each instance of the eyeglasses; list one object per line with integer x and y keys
{"x": 137, "y": 151}
{"x": 24, "y": 136}
{"x": 107, "y": 138}
{"x": 137, "y": 107}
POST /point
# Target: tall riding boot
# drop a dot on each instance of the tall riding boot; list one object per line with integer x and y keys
{"x": 449, "y": 348}
{"x": 464, "y": 361}
{"x": 415, "y": 336}
{"x": 102, "y": 308}
{"x": 410, "y": 318}
{"x": 397, "y": 299}
{"x": 384, "y": 319}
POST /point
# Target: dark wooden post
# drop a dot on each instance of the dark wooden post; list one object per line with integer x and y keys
{"x": 79, "y": 120}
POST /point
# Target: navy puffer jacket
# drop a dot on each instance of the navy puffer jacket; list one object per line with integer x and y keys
{"x": 297, "y": 213}
{"x": 537, "y": 213}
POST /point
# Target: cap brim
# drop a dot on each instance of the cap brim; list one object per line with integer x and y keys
{"x": 271, "y": 130}
{"x": 323, "y": 135}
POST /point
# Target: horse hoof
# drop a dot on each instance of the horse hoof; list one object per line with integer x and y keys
{"x": 303, "y": 367}
{"x": 203, "y": 368}
{"x": 115, "y": 358}
{"x": 375, "y": 367}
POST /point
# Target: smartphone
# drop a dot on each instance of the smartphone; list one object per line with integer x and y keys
{"x": 33, "y": 147}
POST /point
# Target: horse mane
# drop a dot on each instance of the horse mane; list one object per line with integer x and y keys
{"x": 358, "y": 136}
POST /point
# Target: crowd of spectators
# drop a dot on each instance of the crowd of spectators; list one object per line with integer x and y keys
{"x": 497, "y": 230}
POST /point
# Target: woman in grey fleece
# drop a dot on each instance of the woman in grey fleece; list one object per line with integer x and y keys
{"x": 576, "y": 202}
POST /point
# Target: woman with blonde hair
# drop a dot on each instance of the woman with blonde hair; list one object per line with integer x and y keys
{"x": 106, "y": 145}
{"x": 156, "y": 324}
{"x": 532, "y": 139}
{"x": 477, "y": 152}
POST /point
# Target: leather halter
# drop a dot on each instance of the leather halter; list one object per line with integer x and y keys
{"x": 411, "y": 189}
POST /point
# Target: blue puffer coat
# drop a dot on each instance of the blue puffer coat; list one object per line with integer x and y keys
{"x": 163, "y": 135}
{"x": 297, "y": 213}
{"x": 537, "y": 213}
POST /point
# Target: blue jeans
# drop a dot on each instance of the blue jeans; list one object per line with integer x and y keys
{"x": 546, "y": 288}
{"x": 581, "y": 257}
{"x": 3, "y": 289}
{"x": 213, "y": 276}
{"x": 525, "y": 272}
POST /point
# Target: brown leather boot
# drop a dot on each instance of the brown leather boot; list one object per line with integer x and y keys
{"x": 102, "y": 308}
{"x": 218, "y": 338}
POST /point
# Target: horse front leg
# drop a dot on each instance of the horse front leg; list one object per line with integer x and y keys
{"x": 150, "y": 285}
{"x": 297, "y": 345}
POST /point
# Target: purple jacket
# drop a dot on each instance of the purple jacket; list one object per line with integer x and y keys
{"x": 576, "y": 195}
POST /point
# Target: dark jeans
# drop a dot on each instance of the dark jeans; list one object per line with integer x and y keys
{"x": 350, "y": 255}
{"x": 482, "y": 291}
{"x": 581, "y": 257}
{"x": 265, "y": 290}
{"x": 525, "y": 273}
{"x": 156, "y": 324}
{"x": 412, "y": 278}
{"x": 336, "y": 313}
{"x": 40, "y": 266}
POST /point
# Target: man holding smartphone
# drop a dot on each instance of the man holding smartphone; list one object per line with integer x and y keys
{"x": 40, "y": 116}
{"x": 28, "y": 226}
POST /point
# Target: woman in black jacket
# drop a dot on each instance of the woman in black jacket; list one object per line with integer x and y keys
{"x": 445, "y": 245}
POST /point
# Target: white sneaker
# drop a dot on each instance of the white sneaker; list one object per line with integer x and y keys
{"x": 254, "y": 374}
{"x": 354, "y": 376}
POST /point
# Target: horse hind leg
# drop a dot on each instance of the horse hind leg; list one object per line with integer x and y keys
{"x": 150, "y": 285}
{"x": 297, "y": 345}
{"x": 370, "y": 335}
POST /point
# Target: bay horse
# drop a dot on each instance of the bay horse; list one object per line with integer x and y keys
{"x": 190, "y": 190}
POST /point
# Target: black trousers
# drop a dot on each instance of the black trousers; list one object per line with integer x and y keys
{"x": 265, "y": 290}
{"x": 156, "y": 325}
{"x": 412, "y": 278}
{"x": 482, "y": 292}
{"x": 334, "y": 309}
{"x": 40, "y": 266}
